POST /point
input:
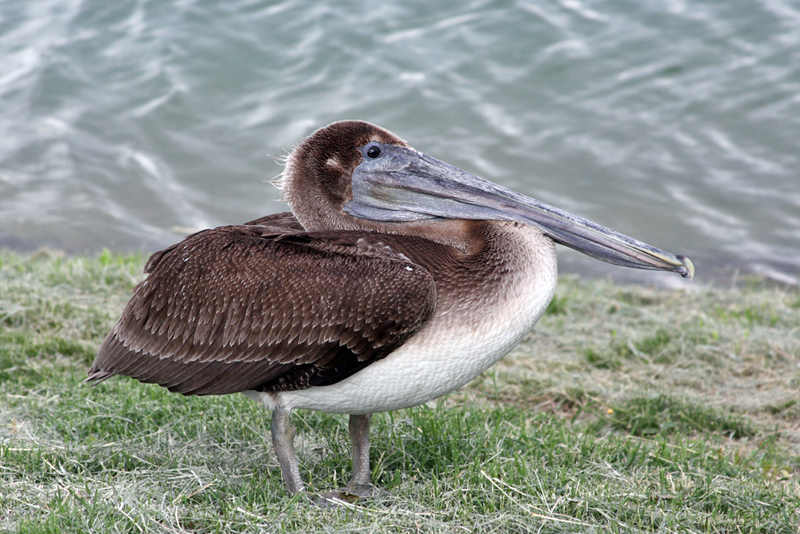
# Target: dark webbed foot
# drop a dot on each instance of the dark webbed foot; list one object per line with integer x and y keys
{"x": 346, "y": 495}
{"x": 350, "y": 495}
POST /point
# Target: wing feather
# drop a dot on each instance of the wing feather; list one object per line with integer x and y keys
{"x": 265, "y": 306}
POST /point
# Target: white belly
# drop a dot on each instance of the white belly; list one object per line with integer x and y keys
{"x": 443, "y": 356}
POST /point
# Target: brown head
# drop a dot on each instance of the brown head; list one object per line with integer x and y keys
{"x": 317, "y": 180}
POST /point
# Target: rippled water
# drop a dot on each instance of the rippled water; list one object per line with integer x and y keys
{"x": 675, "y": 122}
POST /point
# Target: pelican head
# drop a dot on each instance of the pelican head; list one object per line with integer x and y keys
{"x": 354, "y": 175}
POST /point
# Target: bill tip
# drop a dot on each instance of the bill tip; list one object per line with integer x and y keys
{"x": 687, "y": 269}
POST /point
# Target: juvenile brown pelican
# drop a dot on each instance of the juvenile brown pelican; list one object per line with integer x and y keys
{"x": 396, "y": 279}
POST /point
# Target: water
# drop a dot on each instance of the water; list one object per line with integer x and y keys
{"x": 678, "y": 123}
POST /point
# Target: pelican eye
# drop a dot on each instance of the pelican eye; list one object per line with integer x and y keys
{"x": 373, "y": 152}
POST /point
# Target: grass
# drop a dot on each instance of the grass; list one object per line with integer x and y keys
{"x": 627, "y": 409}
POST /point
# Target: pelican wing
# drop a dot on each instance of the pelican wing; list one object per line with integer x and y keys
{"x": 247, "y": 307}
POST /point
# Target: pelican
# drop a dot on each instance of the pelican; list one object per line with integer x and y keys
{"x": 395, "y": 279}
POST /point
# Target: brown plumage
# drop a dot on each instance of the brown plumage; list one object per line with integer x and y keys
{"x": 266, "y": 306}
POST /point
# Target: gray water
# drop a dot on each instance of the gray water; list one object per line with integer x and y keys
{"x": 124, "y": 123}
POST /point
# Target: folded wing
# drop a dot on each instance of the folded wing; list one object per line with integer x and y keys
{"x": 267, "y": 307}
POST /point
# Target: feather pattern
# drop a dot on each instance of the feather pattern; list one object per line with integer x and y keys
{"x": 266, "y": 306}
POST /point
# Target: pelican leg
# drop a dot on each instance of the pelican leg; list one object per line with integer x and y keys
{"x": 283, "y": 432}
{"x": 359, "y": 434}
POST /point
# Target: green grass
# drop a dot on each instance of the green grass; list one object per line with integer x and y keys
{"x": 627, "y": 409}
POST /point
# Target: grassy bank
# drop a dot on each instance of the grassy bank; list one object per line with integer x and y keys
{"x": 627, "y": 410}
